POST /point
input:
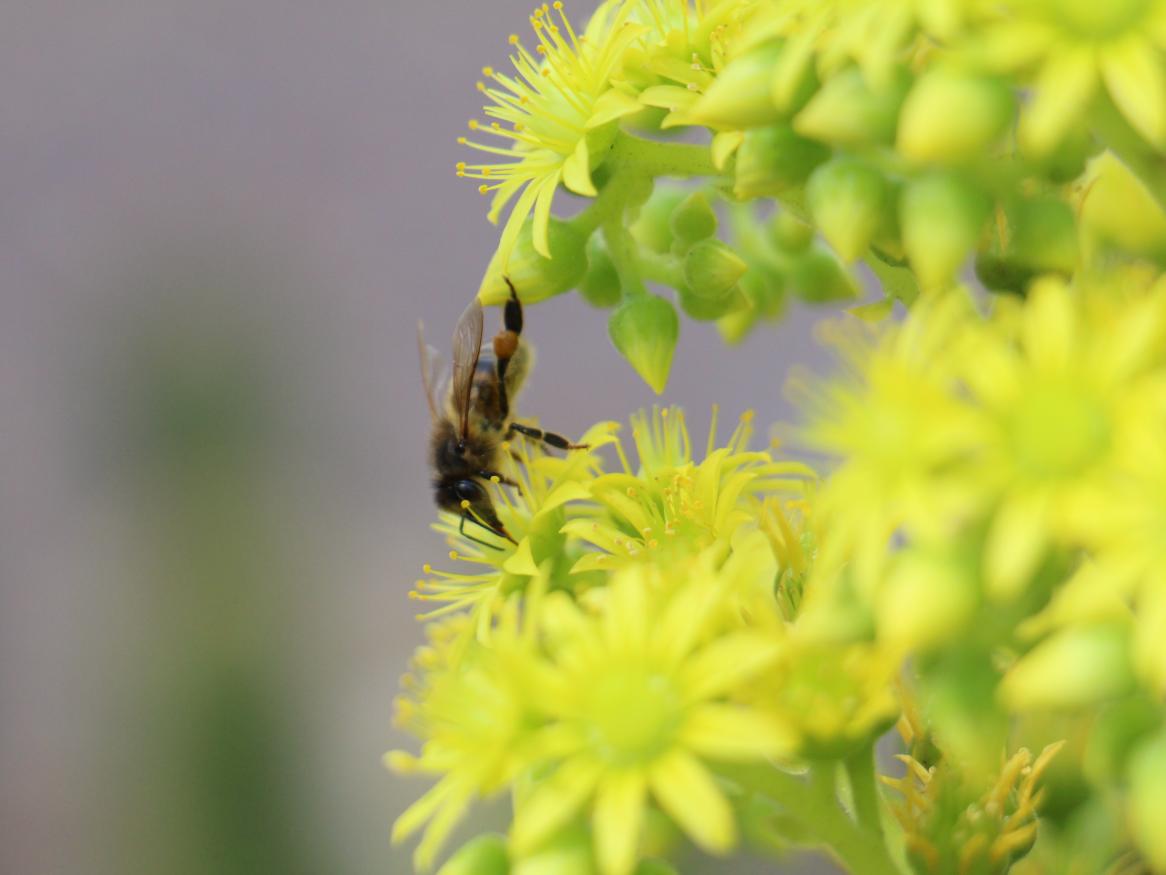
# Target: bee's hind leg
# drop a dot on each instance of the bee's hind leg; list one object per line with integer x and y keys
{"x": 547, "y": 437}
{"x": 506, "y": 344}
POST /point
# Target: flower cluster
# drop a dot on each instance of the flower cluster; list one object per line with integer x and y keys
{"x": 685, "y": 647}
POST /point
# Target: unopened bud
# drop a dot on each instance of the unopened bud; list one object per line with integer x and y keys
{"x": 568, "y": 853}
{"x": 791, "y": 233}
{"x": 850, "y": 202}
{"x": 941, "y": 217}
{"x": 1074, "y": 668}
{"x": 818, "y": 277}
{"x": 846, "y": 111}
{"x": 652, "y": 228}
{"x": 953, "y": 116}
{"x": 693, "y": 219}
{"x": 739, "y": 97}
{"x": 711, "y": 269}
{"x": 484, "y": 855}
{"x": 538, "y": 278}
{"x": 773, "y": 159}
{"x": 600, "y": 286}
{"x": 645, "y": 328}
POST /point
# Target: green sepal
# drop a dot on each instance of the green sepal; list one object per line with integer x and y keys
{"x": 818, "y": 277}
{"x": 693, "y": 219}
{"x": 739, "y": 97}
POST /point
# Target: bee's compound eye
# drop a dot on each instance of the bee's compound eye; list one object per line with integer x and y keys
{"x": 468, "y": 490}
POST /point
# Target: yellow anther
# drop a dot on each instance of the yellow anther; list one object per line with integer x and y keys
{"x": 483, "y": 189}
{"x": 427, "y": 568}
{"x": 461, "y": 141}
{"x": 481, "y": 86}
{"x": 465, "y": 505}
{"x": 747, "y": 416}
{"x": 495, "y": 479}
{"x": 461, "y": 165}
{"x": 487, "y": 71}
{"x": 472, "y": 124}
{"x": 453, "y": 555}
{"x": 513, "y": 39}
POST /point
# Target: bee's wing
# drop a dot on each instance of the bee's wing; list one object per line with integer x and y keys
{"x": 429, "y": 364}
{"x": 467, "y": 346}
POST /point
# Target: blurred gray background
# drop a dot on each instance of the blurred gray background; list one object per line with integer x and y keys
{"x": 219, "y": 224}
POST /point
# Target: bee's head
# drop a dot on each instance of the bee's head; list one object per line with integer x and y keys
{"x": 467, "y": 497}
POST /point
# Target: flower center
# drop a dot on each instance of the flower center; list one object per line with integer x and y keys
{"x": 633, "y": 714}
{"x": 1058, "y": 432}
{"x": 1095, "y": 20}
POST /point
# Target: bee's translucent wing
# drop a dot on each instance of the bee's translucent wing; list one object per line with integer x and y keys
{"x": 430, "y": 361}
{"x": 467, "y": 346}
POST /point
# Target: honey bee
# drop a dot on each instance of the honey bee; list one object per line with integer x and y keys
{"x": 474, "y": 419}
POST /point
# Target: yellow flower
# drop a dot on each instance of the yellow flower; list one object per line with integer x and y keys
{"x": 671, "y": 506}
{"x": 474, "y": 715}
{"x": 899, "y": 422}
{"x": 1056, "y": 380}
{"x": 550, "y": 118}
{"x": 1077, "y": 45}
{"x": 639, "y": 696}
{"x": 534, "y": 514}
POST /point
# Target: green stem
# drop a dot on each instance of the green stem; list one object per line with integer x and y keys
{"x": 662, "y": 159}
{"x": 660, "y": 268}
{"x": 860, "y": 769}
{"x": 860, "y": 850}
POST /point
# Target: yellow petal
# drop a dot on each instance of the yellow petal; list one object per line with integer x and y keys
{"x": 727, "y": 662}
{"x": 514, "y": 224}
{"x": 577, "y": 170}
{"x": 553, "y": 802}
{"x": 611, "y": 105}
{"x": 1016, "y": 542}
{"x": 1135, "y": 79}
{"x": 619, "y": 812}
{"x": 1050, "y": 327}
{"x": 542, "y": 214}
{"x": 727, "y": 733}
{"x": 521, "y": 561}
{"x": 1062, "y": 90}
{"x": 685, "y": 789}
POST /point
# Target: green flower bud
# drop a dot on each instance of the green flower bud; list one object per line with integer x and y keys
{"x": 535, "y": 277}
{"x": 1147, "y": 800}
{"x": 849, "y": 201}
{"x": 740, "y": 95}
{"x": 791, "y": 233}
{"x": 953, "y": 116}
{"x": 818, "y": 277}
{"x": 941, "y": 217}
{"x": 764, "y": 290}
{"x": 652, "y": 228}
{"x": 736, "y": 326}
{"x": 1073, "y": 668}
{"x": 600, "y": 286}
{"x": 773, "y": 160}
{"x": 846, "y": 111}
{"x": 484, "y": 855}
{"x": 711, "y": 269}
{"x": 693, "y": 219}
{"x": 645, "y": 328}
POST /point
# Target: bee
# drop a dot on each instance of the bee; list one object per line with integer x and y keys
{"x": 474, "y": 419}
